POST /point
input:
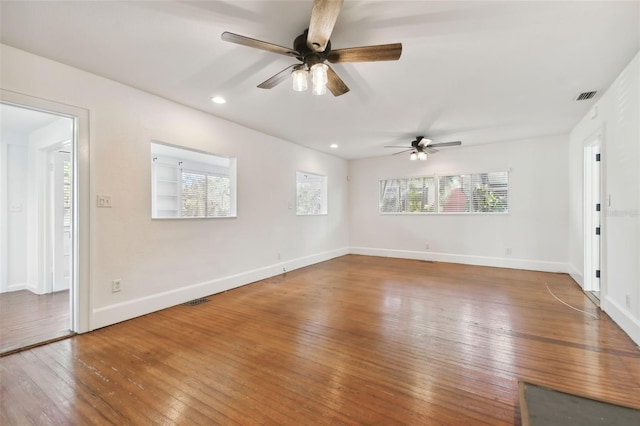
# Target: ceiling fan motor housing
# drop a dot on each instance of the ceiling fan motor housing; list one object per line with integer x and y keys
{"x": 308, "y": 56}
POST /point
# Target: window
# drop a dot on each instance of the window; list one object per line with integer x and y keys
{"x": 204, "y": 194}
{"x": 410, "y": 195}
{"x": 465, "y": 193}
{"x": 191, "y": 184}
{"x": 67, "y": 192}
{"x": 311, "y": 194}
{"x": 474, "y": 193}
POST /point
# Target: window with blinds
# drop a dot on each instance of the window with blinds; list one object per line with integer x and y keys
{"x": 409, "y": 195}
{"x": 311, "y": 194}
{"x": 67, "y": 192}
{"x": 204, "y": 194}
{"x": 191, "y": 184}
{"x": 464, "y": 193}
{"x": 474, "y": 193}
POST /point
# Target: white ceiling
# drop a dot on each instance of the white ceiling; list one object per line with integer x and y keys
{"x": 474, "y": 71}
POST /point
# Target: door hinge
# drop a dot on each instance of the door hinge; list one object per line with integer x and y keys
{"x": 597, "y": 230}
{"x": 597, "y": 273}
{"x": 597, "y": 157}
{"x": 598, "y": 207}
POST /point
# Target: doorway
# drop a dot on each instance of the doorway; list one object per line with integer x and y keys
{"x": 37, "y": 291}
{"x": 592, "y": 216}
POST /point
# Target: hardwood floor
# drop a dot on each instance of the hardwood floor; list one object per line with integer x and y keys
{"x": 27, "y": 318}
{"x": 355, "y": 340}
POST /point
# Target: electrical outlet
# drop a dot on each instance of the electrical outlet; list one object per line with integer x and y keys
{"x": 116, "y": 285}
{"x": 627, "y": 301}
{"x": 427, "y": 246}
{"x": 508, "y": 252}
{"x": 279, "y": 257}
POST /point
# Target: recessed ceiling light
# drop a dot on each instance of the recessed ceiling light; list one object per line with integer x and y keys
{"x": 333, "y": 145}
{"x": 218, "y": 100}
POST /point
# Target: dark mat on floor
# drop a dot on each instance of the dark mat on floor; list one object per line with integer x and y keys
{"x": 541, "y": 406}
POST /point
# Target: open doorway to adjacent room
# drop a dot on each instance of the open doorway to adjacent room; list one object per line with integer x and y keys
{"x": 592, "y": 217}
{"x": 37, "y": 226}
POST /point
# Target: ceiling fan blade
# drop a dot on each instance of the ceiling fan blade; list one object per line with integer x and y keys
{"x": 381, "y": 52}
{"x": 258, "y": 44}
{"x": 276, "y": 79}
{"x": 398, "y": 146}
{"x": 323, "y": 18}
{"x": 441, "y": 144}
{"x": 430, "y": 150}
{"x": 402, "y": 152}
{"x": 335, "y": 83}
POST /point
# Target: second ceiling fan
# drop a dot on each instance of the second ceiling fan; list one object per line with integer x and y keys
{"x": 421, "y": 146}
{"x": 313, "y": 47}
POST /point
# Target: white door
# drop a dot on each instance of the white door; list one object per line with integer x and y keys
{"x": 61, "y": 217}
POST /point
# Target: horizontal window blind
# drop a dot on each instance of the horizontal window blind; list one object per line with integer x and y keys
{"x": 204, "y": 194}
{"x": 67, "y": 193}
{"x": 194, "y": 190}
{"x": 410, "y": 195}
{"x": 218, "y": 196}
{"x": 474, "y": 193}
{"x": 463, "y": 193}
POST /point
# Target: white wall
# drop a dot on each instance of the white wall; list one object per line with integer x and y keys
{"x": 16, "y": 211}
{"x": 164, "y": 262}
{"x": 617, "y": 117}
{"x": 535, "y": 229}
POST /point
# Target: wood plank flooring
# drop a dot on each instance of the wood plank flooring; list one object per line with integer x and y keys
{"x": 27, "y": 318}
{"x": 355, "y": 340}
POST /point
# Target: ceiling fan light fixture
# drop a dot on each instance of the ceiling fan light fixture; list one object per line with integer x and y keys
{"x": 299, "y": 79}
{"x": 319, "y": 78}
{"x": 413, "y": 156}
{"x": 422, "y": 156}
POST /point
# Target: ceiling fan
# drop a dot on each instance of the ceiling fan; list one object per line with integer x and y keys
{"x": 313, "y": 47}
{"x": 421, "y": 146}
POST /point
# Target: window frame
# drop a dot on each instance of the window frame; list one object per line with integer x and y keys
{"x": 206, "y": 175}
{"x": 169, "y": 162}
{"x": 408, "y": 201}
{"x": 507, "y": 172}
{"x": 437, "y": 205}
{"x": 324, "y": 194}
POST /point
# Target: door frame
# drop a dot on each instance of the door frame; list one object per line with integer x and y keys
{"x": 592, "y": 195}
{"x": 80, "y": 281}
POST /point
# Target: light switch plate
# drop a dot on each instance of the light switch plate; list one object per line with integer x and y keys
{"x": 104, "y": 201}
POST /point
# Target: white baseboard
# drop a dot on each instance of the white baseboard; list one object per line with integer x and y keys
{"x": 118, "y": 312}
{"x": 498, "y": 262}
{"x": 18, "y": 287}
{"x": 623, "y": 318}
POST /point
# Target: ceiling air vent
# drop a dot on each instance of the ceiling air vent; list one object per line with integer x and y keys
{"x": 586, "y": 95}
